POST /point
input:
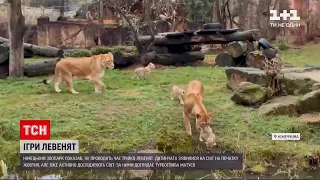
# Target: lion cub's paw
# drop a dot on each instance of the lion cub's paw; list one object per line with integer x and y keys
{"x": 200, "y": 139}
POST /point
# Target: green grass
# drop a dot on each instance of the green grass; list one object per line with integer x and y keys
{"x": 137, "y": 114}
{"x": 308, "y": 54}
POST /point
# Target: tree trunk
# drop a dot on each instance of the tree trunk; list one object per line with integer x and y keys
{"x": 101, "y": 11}
{"x": 16, "y": 33}
{"x": 46, "y": 51}
{"x": 61, "y": 8}
{"x": 237, "y": 49}
{"x": 174, "y": 58}
{"x": 41, "y": 68}
{"x": 224, "y": 60}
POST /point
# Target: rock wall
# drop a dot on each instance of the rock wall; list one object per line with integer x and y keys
{"x": 87, "y": 35}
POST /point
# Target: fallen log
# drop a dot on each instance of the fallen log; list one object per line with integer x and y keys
{"x": 241, "y": 36}
{"x": 160, "y": 49}
{"x": 46, "y": 51}
{"x": 240, "y": 61}
{"x": 4, "y": 70}
{"x": 237, "y": 49}
{"x": 123, "y": 59}
{"x": 255, "y": 59}
{"x": 174, "y": 58}
{"x": 252, "y": 45}
{"x": 28, "y": 54}
{"x": 224, "y": 60}
{"x": 41, "y": 68}
{"x": 212, "y": 26}
{"x": 4, "y": 54}
{"x": 213, "y": 38}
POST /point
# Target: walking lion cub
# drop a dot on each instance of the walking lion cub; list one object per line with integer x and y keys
{"x": 177, "y": 93}
{"x": 143, "y": 72}
{"x": 85, "y": 68}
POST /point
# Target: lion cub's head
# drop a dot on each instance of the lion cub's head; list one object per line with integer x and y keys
{"x": 151, "y": 66}
{"x": 107, "y": 60}
{"x": 208, "y": 136}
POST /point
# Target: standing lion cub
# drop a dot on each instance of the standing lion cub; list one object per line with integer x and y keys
{"x": 143, "y": 71}
{"x": 85, "y": 68}
{"x": 207, "y": 136}
{"x": 177, "y": 93}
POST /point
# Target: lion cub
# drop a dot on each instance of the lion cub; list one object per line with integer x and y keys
{"x": 143, "y": 71}
{"x": 207, "y": 135}
{"x": 177, "y": 93}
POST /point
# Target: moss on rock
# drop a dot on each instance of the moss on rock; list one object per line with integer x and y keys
{"x": 310, "y": 102}
{"x": 249, "y": 94}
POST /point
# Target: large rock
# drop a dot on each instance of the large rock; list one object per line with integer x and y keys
{"x": 310, "y": 102}
{"x": 311, "y": 119}
{"x": 283, "y": 105}
{"x": 293, "y": 79}
{"x": 315, "y": 86}
{"x": 249, "y": 94}
{"x": 297, "y": 81}
{"x": 315, "y": 66}
{"x": 236, "y": 75}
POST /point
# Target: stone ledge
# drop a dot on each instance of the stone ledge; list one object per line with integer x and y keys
{"x": 293, "y": 80}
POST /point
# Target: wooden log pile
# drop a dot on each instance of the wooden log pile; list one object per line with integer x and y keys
{"x": 246, "y": 54}
{"x": 172, "y": 48}
{"x": 238, "y": 53}
{"x": 30, "y": 69}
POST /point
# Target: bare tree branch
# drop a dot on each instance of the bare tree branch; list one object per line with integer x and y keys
{"x": 230, "y": 17}
{"x": 147, "y": 13}
{"x": 275, "y": 3}
{"x": 218, "y": 11}
{"x": 135, "y": 34}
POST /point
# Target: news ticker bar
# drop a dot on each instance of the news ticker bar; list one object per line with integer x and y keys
{"x": 137, "y": 161}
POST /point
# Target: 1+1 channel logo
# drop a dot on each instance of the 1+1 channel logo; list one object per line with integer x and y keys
{"x": 292, "y": 15}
